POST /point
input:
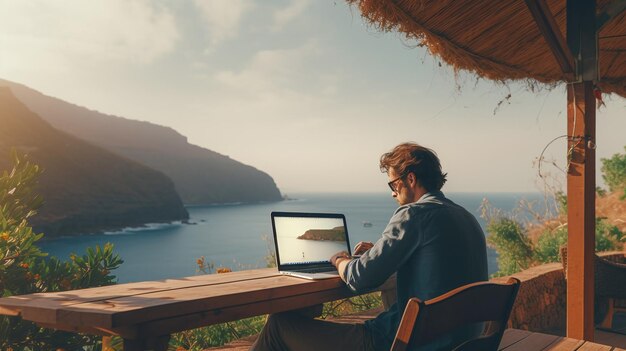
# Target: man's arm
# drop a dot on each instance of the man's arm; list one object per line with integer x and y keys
{"x": 340, "y": 260}
{"x": 399, "y": 240}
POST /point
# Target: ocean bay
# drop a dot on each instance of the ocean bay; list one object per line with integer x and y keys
{"x": 240, "y": 236}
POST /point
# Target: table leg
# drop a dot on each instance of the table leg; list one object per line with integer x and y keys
{"x": 133, "y": 345}
{"x": 159, "y": 343}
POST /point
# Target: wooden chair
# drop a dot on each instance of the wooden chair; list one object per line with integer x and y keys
{"x": 610, "y": 287}
{"x": 423, "y": 322}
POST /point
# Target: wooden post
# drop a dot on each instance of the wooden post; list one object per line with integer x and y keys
{"x": 582, "y": 40}
{"x": 581, "y": 117}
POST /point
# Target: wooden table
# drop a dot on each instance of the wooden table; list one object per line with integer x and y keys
{"x": 146, "y": 313}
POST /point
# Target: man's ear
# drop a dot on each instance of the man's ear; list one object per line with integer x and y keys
{"x": 411, "y": 178}
{"x": 413, "y": 181}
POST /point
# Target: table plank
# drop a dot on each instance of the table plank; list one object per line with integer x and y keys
{"x": 535, "y": 341}
{"x": 200, "y": 319}
{"x": 127, "y": 310}
{"x": 66, "y": 298}
{"x": 511, "y": 336}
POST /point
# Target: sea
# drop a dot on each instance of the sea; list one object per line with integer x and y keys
{"x": 239, "y": 236}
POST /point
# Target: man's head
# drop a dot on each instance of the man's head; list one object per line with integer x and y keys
{"x": 413, "y": 170}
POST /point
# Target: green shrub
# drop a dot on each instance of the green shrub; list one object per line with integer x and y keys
{"x": 549, "y": 244}
{"x": 25, "y": 269}
{"x": 351, "y": 305}
{"x": 608, "y": 237}
{"x": 516, "y": 252}
{"x": 614, "y": 172}
{"x": 508, "y": 237}
{"x": 216, "y": 335}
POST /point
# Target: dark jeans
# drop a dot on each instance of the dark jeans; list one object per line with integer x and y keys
{"x": 290, "y": 331}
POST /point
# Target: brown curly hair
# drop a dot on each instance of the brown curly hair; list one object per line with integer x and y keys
{"x": 413, "y": 158}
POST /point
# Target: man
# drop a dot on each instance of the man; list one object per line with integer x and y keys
{"x": 433, "y": 244}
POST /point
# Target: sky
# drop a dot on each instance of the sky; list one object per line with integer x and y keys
{"x": 301, "y": 89}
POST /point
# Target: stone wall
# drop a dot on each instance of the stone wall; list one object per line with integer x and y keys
{"x": 541, "y": 301}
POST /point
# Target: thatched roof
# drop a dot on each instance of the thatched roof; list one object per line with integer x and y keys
{"x": 497, "y": 40}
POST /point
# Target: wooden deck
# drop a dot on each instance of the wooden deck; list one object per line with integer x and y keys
{"x": 513, "y": 340}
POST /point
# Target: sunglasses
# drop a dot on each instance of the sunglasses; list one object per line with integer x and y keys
{"x": 392, "y": 183}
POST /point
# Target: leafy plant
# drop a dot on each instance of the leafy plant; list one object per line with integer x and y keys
{"x": 515, "y": 250}
{"x": 25, "y": 269}
{"x": 351, "y": 305}
{"x": 614, "y": 172}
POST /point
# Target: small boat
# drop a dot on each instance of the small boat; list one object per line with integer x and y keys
{"x": 367, "y": 224}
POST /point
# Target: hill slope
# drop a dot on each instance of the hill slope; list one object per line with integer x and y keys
{"x": 85, "y": 188}
{"x": 201, "y": 176}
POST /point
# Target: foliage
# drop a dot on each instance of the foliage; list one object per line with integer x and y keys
{"x": 608, "y": 237}
{"x": 216, "y": 335}
{"x": 25, "y": 269}
{"x": 549, "y": 244}
{"x": 517, "y": 252}
{"x": 614, "y": 172}
{"x": 351, "y": 305}
{"x": 508, "y": 237}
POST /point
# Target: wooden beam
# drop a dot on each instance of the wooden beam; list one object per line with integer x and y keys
{"x": 581, "y": 109}
{"x": 582, "y": 40}
{"x": 611, "y": 11}
{"x": 551, "y": 33}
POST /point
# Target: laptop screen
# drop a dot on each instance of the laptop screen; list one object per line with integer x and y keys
{"x": 308, "y": 238}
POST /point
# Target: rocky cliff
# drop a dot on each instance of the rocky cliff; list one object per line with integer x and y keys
{"x": 85, "y": 188}
{"x": 201, "y": 176}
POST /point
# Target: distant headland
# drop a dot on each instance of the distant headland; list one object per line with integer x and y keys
{"x": 335, "y": 234}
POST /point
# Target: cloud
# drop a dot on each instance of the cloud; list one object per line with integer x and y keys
{"x": 222, "y": 17}
{"x": 274, "y": 70}
{"x": 289, "y": 13}
{"x": 70, "y": 31}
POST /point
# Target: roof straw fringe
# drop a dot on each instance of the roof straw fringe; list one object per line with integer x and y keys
{"x": 495, "y": 40}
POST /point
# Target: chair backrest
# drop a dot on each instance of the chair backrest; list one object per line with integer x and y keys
{"x": 609, "y": 276}
{"x": 423, "y": 322}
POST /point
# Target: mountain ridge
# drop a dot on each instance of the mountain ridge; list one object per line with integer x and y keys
{"x": 201, "y": 176}
{"x": 85, "y": 187}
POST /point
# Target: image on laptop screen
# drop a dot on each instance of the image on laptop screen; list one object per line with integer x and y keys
{"x": 305, "y": 240}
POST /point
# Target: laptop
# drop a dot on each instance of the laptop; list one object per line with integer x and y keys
{"x": 305, "y": 242}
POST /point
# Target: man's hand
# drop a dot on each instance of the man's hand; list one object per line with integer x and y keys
{"x": 340, "y": 260}
{"x": 338, "y": 257}
{"x": 362, "y": 247}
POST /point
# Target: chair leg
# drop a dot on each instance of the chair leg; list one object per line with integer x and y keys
{"x": 607, "y": 323}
